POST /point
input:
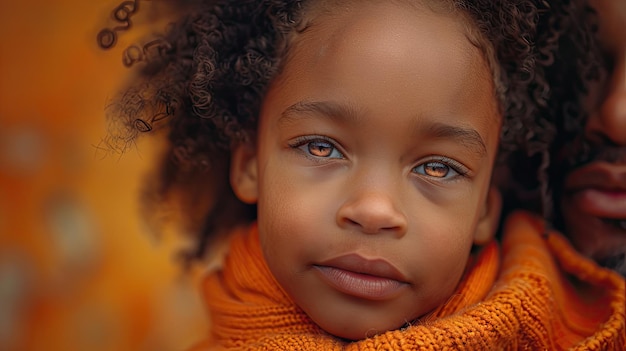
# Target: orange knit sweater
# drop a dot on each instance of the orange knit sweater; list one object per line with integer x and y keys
{"x": 529, "y": 300}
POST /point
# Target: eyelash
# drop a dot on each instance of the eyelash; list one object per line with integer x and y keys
{"x": 300, "y": 143}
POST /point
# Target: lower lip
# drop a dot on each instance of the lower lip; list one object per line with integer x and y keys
{"x": 606, "y": 204}
{"x": 360, "y": 285}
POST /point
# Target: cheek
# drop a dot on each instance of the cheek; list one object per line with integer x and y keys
{"x": 444, "y": 235}
{"x": 293, "y": 228}
{"x": 450, "y": 222}
{"x": 440, "y": 263}
{"x": 446, "y": 245}
{"x": 291, "y": 217}
{"x": 285, "y": 205}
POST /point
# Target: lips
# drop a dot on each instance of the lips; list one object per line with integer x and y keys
{"x": 363, "y": 278}
{"x": 598, "y": 189}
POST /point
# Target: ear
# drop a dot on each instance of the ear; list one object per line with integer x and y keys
{"x": 489, "y": 218}
{"x": 243, "y": 172}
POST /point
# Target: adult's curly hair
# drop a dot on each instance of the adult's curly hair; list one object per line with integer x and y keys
{"x": 203, "y": 81}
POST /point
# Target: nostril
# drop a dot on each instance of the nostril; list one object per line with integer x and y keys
{"x": 351, "y": 222}
{"x": 361, "y": 226}
{"x": 370, "y": 219}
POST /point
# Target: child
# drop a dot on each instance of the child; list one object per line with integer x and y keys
{"x": 363, "y": 135}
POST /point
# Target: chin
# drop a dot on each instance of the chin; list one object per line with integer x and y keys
{"x": 600, "y": 239}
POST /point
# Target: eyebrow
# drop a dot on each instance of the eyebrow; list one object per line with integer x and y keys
{"x": 467, "y": 136}
{"x": 333, "y": 110}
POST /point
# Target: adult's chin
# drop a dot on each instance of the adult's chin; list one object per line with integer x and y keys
{"x": 601, "y": 239}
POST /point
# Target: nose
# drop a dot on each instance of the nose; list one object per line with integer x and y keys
{"x": 608, "y": 123}
{"x": 372, "y": 210}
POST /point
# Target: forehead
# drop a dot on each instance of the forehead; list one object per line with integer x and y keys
{"x": 387, "y": 51}
{"x": 385, "y": 23}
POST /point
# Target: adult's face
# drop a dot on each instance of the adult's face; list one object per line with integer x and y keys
{"x": 594, "y": 201}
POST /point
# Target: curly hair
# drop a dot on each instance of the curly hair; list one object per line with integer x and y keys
{"x": 204, "y": 79}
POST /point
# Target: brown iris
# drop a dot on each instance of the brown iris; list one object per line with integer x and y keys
{"x": 436, "y": 169}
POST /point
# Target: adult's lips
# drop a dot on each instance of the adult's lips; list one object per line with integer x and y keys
{"x": 598, "y": 189}
{"x": 352, "y": 274}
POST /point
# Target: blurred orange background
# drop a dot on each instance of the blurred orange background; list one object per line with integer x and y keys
{"x": 78, "y": 269}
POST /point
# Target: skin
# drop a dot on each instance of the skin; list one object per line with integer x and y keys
{"x": 594, "y": 201}
{"x": 375, "y": 149}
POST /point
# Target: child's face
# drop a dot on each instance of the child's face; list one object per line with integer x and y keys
{"x": 372, "y": 168}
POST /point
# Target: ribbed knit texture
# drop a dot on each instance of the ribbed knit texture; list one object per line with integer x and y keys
{"x": 526, "y": 302}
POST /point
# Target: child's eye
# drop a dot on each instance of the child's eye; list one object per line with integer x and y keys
{"x": 441, "y": 168}
{"x": 320, "y": 148}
